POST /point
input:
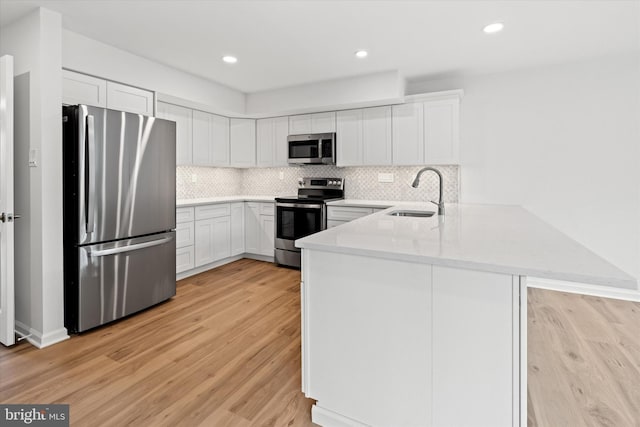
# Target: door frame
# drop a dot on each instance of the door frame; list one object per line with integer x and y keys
{"x": 7, "y": 292}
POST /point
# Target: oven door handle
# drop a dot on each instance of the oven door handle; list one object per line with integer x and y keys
{"x": 299, "y": 205}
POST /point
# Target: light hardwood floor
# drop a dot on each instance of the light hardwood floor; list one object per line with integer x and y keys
{"x": 226, "y": 352}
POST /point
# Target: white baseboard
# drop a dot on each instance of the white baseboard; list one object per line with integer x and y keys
{"x": 581, "y": 288}
{"x": 327, "y": 418}
{"x": 39, "y": 339}
{"x": 221, "y": 262}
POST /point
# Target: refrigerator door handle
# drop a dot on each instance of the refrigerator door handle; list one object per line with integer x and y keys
{"x": 90, "y": 171}
{"x": 121, "y": 249}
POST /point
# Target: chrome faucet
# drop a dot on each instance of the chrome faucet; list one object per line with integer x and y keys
{"x": 416, "y": 181}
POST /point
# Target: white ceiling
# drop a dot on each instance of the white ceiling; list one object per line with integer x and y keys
{"x": 284, "y": 43}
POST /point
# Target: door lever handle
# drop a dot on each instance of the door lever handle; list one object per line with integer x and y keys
{"x": 8, "y": 217}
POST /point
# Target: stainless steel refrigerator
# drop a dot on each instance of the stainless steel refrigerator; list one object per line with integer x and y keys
{"x": 119, "y": 207}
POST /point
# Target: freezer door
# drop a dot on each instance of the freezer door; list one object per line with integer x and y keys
{"x": 120, "y": 278}
{"x": 126, "y": 171}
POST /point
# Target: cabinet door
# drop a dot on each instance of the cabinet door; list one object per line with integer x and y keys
{"x": 131, "y": 99}
{"x": 349, "y": 136}
{"x": 221, "y": 238}
{"x": 202, "y": 138}
{"x": 265, "y": 148}
{"x": 267, "y": 233}
{"x": 82, "y": 89}
{"x": 300, "y": 124}
{"x": 280, "y": 134}
{"x": 323, "y": 122}
{"x": 204, "y": 241}
{"x": 237, "y": 228}
{"x": 376, "y": 136}
{"x": 184, "y": 259}
{"x": 220, "y": 137}
{"x": 441, "y": 121}
{"x": 183, "y": 118}
{"x": 184, "y": 234}
{"x": 252, "y": 228}
{"x": 243, "y": 142}
{"x": 408, "y": 140}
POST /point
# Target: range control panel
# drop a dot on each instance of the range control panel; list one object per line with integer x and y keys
{"x": 326, "y": 183}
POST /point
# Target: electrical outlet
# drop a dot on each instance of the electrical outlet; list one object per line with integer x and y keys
{"x": 281, "y": 175}
{"x": 385, "y": 177}
{"x": 194, "y": 178}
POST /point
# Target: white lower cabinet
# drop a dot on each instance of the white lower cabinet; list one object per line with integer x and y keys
{"x": 184, "y": 259}
{"x": 267, "y": 235}
{"x": 209, "y": 233}
{"x": 237, "y": 228}
{"x": 184, "y": 239}
{"x": 259, "y": 228}
{"x": 213, "y": 240}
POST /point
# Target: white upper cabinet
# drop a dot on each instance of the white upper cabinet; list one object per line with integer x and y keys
{"x": 220, "y": 135}
{"x": 78, "y": 88}
{"x": 364, "y": 137}
{"x": 202, "y": 139}
{"x": 82, "y": 89}
{"x": 408, "y": 137}
{"x": 265, "y": 144}
{"x": 280, "y": 134}
{"x": 183, "y": 118}
{"x": 323, "y": 122}
{"x": 349, "y": 138}
{"x": 131, "y": 99}
{"x": 243, "y": 142}
{"x": 312, "y": 123}
{"x": 210, "y": 139}
{"x": 427, "y": 132}
{"x": 300, "y": 124}
{"x": 441, "y": 127}
{"x": 376, "y": 136}
{"x": 271, "y": 141}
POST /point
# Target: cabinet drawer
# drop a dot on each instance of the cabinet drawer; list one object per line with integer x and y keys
{"x": 267, "y": 209}
{"x": 184, "y": 259}
{"x": 347, "y": 214}
{"x": 184, "y": 215}
{"x": 184, "y": 234}
{"x": 212, "y": 211}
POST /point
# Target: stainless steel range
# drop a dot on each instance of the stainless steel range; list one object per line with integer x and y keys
{"x": 304, "y": 214}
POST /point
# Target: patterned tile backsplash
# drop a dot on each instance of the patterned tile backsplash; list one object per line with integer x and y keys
{"x": 360, "y": 182}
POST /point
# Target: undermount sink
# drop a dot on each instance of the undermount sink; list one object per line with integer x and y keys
{"x": 417, "y": 214}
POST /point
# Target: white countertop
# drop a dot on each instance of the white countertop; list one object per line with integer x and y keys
{"x": 366, "y": 203}
{"x": 495, "y": 238}
{"x": 223, "y": 199}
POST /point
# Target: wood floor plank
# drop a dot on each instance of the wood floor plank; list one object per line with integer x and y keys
{"x": 225, "y": 351}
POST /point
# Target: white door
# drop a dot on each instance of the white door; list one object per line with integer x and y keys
{"x": 7, "y": 315}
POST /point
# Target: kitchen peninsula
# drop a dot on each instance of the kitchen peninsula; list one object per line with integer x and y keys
{"x": 422, "y": 321}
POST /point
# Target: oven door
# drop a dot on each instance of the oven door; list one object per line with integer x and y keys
{"x": 297, "y": 220}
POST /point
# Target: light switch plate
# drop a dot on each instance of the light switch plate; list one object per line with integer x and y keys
{"x": 385, "y": 177}
{"x": 281, "y": 176}
{"x": 194, "y": 178}
{"x": 33, "y": 158}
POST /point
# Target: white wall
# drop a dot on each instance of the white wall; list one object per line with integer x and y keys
{"x": 564, "y": 142}
{"x": 371, "y": 89}
{"x": 35, "y": 43}
{"x": 80, "y": 53}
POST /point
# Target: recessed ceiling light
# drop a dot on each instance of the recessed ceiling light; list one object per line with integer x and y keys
{"x": 230, "y": 59}
{"x": 362, "y": 53}
{"x": 493, "y": 28}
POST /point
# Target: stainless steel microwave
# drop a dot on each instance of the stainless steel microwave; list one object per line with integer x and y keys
{"x": 312, "y": 149}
